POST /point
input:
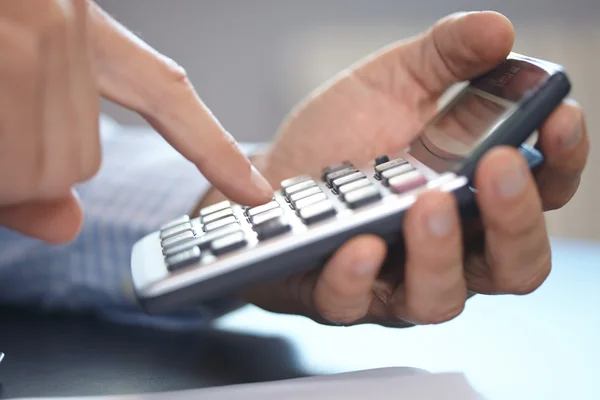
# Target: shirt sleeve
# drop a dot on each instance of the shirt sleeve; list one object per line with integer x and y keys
{"x": 143, "y": 183}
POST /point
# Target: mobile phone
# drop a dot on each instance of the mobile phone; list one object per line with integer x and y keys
{"x": 228, "y": 248}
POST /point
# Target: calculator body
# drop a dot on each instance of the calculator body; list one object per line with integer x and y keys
{"x": 228, "y": 248}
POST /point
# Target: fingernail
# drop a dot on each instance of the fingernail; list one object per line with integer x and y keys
{"x": 511, "y": 179}
{"x": 572, "y": 138}
{"x": 261, "y": 182}
{"x": 441, "y": 221}
{"x": 365, "y": 269}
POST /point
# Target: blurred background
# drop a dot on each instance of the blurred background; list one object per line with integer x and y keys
{"x": 253, "y": 60}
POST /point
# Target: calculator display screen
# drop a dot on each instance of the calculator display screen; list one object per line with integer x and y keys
{"x": 472, "y": 117}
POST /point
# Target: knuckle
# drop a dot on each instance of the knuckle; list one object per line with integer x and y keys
{"x": 524, "y": 284}
{"x": 342, "y": 315}
{"x": 438, "y": 314}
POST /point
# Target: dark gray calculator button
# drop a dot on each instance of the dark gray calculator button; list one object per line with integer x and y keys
{"x": 178, "y": 221}
{"x": 342, "y": 190}
{"x": 262, "y": 208}
{"x": 167, "y": 233}
{"x": 317, "y": 212}
{"x": 346, "y": 179}
{"x": 187, "y": 235}
{"x": 272, "y": 227}
{"x": 220, "y": 223}
{"x": 228, "y": 243}
{"x": 183, "y": 259}
{"x": 381, "y": 160}
{"x": 215, "y": 207}
{"x": 362, "y": 196}
{"x": 299, "y": 186}
{"x": 217, "y": 215}
{"x": 292, "y": 181}
{"x": 260, "y": 218}
{"x": 307, "y": 201}
{"x": 390, "y": 173}
{"x": 338, "y": 174}
{"x": 203, "y": 241}
{"x": 379, "y": 168}
{"x": 305, "y": 193}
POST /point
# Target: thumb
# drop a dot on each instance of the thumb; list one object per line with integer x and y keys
{"x": 457, "y": 48}
{"x": 56, "y": 221}
{"x": 136, "y": 76}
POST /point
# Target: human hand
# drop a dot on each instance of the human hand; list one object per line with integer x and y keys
{"x": 376, "y": 108}
{"x": 60, "y": 56}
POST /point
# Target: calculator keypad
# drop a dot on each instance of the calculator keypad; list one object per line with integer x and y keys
{"x": 217, "y": 229}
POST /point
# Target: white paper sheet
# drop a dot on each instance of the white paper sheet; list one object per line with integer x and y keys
{"x": 380, "y": 384}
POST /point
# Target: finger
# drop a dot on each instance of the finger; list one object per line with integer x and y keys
{"x": 85, "y": 96}
{"x": 61, "y": 141}
{"x": 136, "y": 76}
{"x": 434, "y": 289}
{"x": 516, "y": 241}
{"x": 20, "y": 146}
{"x": 342, "y": 293}
{"x": 565, "y": 144}
{"x": 55, "y": 221}
{"x": 457, "y": 48}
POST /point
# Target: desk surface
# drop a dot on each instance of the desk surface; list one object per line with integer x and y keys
{"x": 541, "y": 346}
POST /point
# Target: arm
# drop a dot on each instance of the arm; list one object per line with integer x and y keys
{"x": 142, "y": 184}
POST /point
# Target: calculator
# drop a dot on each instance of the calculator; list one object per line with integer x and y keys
{"x": 227, "y": 248}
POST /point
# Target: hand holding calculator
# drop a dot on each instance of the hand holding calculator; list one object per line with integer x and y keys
{"x": 228, "y": 248}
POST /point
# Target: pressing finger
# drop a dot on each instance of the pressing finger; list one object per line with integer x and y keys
{"x": 343, "y": 291}
{"x": 517, "y": 245}
{"x": 565, "y": 144}
{"x": 434, "y": 289}
{"x": 136, "y": 76}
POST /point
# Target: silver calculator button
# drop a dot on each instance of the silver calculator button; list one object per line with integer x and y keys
{"x": 346, "y": 179}
{"x": 316, "y": 212}
{"x": 342, "y": 190}
{"x": 299, "y": 186}
{"x": 181, "y": 237}
{"x": 260, "y": 218}
{"x": 177, "y": 221}
{"x": 215, "y": 207}
{"x": 228, "y": 243}
{"x": 220, "y": 223}
{"x": 167, "y": 233}
{"x": 295, "y": 180}
{"x": 363, "y": 196}
{"x": 307, "y": 201}
{"x": 203, "y": 241}
{"x": 392, "y": 172}
{"x": 217, "y": 215}
{"x": 305, "y": 193}
{"x": 262, "y": 208}
{"x": 388, "y": 165}
{"x": 329, "y": 178}
{"x": 183, "y": 259}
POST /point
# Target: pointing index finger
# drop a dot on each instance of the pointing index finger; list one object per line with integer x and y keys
{"x": 136, "y": 76}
